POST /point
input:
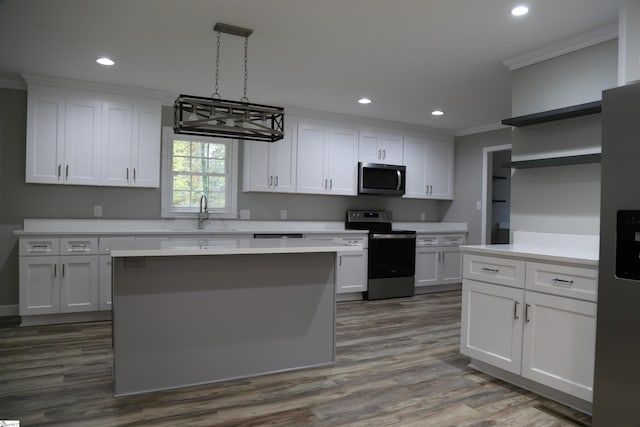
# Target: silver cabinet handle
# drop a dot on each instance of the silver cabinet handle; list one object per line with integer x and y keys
{"x": 490, "y": 270}
{"x": 379, "y": 154}
{"x": 384, "y": 154}
{"x": 276, "y": 180}
{"x": 526, "y": 312}
{"x": 63, "y": 270}
{"x": 340, "y": 261}
{"x": 330, "y": 183}
{"x": 78, "y": 248}
{"x": 270, "y": 180}
{"x": 515, "y": 310}
{"x": 66, "y": 172}
{"x": 59, "y": 170}
{"x": 562, "y": 282}
{"x": 55, "y": 270}
{"x": 134, "y": 174}
{"x": 127, "y": 174}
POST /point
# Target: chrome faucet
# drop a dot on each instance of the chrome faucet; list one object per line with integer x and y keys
{"x": 204, "y": 212}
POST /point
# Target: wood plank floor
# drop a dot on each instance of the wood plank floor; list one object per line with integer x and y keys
{"x": 398, "y": 364}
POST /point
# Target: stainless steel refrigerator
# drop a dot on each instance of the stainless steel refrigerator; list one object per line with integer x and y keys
{"x": 616, "y": 397}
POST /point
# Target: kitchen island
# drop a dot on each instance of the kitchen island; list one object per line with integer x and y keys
{"x": 529, "y": 313}
{"x": 188, "y": 313}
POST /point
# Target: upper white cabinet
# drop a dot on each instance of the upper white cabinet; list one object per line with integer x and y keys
{"x": 130, "y": 143}
{"x": 327, "y": 159}
{"x": 271, "y": 167}
{"x": 429, "y": 168}
{"x": 85, "y": 137}
{"x": 380, "y": 147}
{"x": 63, "y": 137}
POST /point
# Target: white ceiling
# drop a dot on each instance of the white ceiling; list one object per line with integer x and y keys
{"x": 409, "y": 56}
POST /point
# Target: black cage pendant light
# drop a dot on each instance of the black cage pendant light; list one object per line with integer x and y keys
{"x": 223, "y": 118}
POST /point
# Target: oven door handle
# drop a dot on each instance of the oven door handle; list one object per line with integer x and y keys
{"x": 399, "y": 179}
{"x": 392, "y": 236}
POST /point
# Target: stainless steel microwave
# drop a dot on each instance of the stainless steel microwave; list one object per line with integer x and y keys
{"x": 384, "y": 180}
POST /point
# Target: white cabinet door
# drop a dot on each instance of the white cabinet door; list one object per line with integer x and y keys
{"x": 116, "y": 142}
{"x": 351, "y": 272}
{"x": 414, "y": 159}
{"x": 45, "y": 136}
{"x": 104, "y": 280}
{"x": 79, "y": 283}
{"x": 271, "y": 167}
{"x": 82, "y": 140}
{"x": 559, "y": 343}
{"x": 312, "y": 141}
{"x": 145, "y": 145}
{"x": 451, "y": 262}
{"x": 256, "y": 173}
{"x": 439, "y": 170}
{"x": 378, "y": 147}
{"x": 130, "y": 143}
{"x": 427, "y": 266}
{"x": 342, "y": 161}
{"x": 491, "y": 329}
{"x": 39, "y": 285}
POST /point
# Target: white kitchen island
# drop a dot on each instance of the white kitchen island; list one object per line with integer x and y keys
{"x": 188, "y": 313}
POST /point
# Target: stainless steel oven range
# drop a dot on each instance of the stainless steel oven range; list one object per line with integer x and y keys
{"x": 392, "y": 254}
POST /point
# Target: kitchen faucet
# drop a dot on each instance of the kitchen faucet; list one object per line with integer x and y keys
{"x": 204, "y": 212}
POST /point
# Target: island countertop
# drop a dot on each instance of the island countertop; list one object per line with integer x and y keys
{"x": 137, "y": 248}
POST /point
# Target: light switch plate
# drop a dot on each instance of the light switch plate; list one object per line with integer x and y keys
{"x": 97, "y": 210}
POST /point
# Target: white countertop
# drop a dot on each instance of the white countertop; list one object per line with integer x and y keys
{"x": 116, "y": 227}
{"x": 137, "y": 248}
{"x": 542, "y": 253}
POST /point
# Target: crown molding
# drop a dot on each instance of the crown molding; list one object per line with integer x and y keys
{"x": 36, "y": 79}
{"x": 581, "y": 41}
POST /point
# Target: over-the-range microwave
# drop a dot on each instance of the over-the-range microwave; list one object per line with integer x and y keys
{"x": 380, "y": 179}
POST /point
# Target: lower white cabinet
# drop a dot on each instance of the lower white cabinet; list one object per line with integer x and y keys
{"x": 559, "y": 343}
{"x": 438, "y": 260}
{"x": 351, "y": 272}
{"x": 491, "y": 328}
{"x": 65, "y": 280}
{"x": 546, "y": 338}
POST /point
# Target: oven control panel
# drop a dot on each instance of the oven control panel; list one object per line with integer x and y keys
{"x": 368, "y": 216}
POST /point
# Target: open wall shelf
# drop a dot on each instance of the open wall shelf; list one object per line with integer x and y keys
{"x": 594, "y": 107}
{"x": 555, "y": 161}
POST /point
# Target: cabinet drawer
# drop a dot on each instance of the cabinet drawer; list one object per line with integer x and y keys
{"x": 78, "y": 245}
{"x": 563, "y": 280}
{"x": 502, "y": 271}
{"x": 426, "y": 240}
{"x": 40, "y": 246}
{"x": 458, "y": 239}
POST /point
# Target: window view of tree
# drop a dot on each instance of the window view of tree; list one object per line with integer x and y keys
{"x": 199, "y": 168}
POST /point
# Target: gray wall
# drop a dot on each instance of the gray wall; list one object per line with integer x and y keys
{"x": 19, "y": 200}
{"x": 468, "y": 179}
{"x": 570, "y": 79}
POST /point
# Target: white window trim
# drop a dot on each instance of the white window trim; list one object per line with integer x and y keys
{"x": 166, "y": 211}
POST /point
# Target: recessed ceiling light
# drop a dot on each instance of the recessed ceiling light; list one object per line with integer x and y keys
{"x": 520, "y": 10}
{"x": 364, "y": 101}
{"x": 437, "y": 113}
{"x": 105, "y": 61}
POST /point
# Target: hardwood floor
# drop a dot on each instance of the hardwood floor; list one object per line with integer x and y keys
{"x": 398, "y": 364}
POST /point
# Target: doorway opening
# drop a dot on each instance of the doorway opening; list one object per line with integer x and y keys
{"x": 496, "y": 194}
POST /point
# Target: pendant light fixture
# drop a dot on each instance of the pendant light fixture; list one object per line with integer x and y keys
{"x": 223, "y": 118}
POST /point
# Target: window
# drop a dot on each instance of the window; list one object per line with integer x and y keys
{"x": 193, "y": 166}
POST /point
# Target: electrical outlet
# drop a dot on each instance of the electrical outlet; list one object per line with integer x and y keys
{"x": 97, "y": 210}
{"x": 283, "y": 214}
{"x": 245, "y": 214}
{"x": 423, "y": 216}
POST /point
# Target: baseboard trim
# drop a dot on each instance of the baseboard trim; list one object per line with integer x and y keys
{"x": 51, "y": 319}
{"x": 9, "y": 310}
{"x": 438, "y": 288}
